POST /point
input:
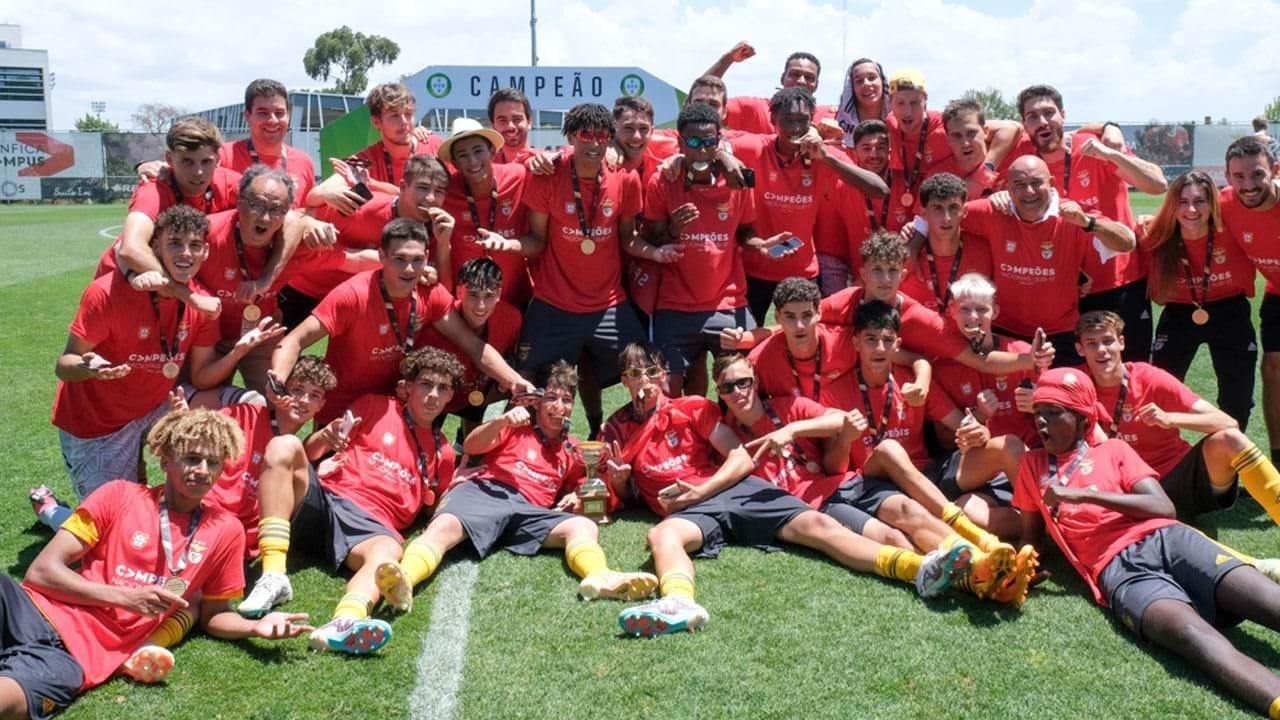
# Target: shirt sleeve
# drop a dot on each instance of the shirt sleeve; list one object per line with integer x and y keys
{"x": 655, "y": 199}
{"x": 99, "y": 510}
{"x": 226, "y": 581}
{"x": 81, "y": 525}
{"x": 92, "y": 321}
{"x": 207, "y": 329}
{"x": 1023, "y": 497}
{"x": 537, "y": 196}
{"x": 1133, "y": 468}
{"x": 439, "y": 303}
{"x": 337, "y": 310}
{"x": 1171, "y": 394}
{"x": 924, "y": 331}
{"x": 632, "y": 196}
{"x": 147, "y": 199}
{"x": 980, "y": 219}
{"x": 748, "y": 204}
{"x": 938, "y": 404}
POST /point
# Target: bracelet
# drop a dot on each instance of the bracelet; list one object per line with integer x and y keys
{"x": 1093, "y": 223}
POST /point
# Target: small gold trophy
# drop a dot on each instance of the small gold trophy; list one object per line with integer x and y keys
{"x": 593, "y": 492}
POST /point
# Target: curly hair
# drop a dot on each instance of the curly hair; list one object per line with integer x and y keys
{"x": 562, "y": 375}
{"x": 432, "y": 360}
{"x": 783, "y": 100}
{"x": 885, "y": 247}
{"x": 943, "y": 186}
{"x": 587, "y": 116}
{"x": 796, "y": 289}
{"x": 389, "y": 96}
{"x": 181, "y": 220}
{"x": 312, "y": 369}
{"x": 178, "y": 432}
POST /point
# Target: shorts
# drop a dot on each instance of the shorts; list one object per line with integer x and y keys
{"x": 1174, "y": 562}
{"x": 1269, "y": 319}
{"x": 32, "y": 654}
{"x": 550, "y": 334}
{"x": 752, "y": 512}
{"x": 495, "y": 515}
{"x": 295, "y": 305}
{"x": 833, "y": 274}
{"x": 92, "y": 462}
{"x": 330, "y": 526}
{"x": 1189, "y": 487}
{"x": 945, "y": 473}
{"x": 683, "y": 335}
{"x": 864, "y": 495}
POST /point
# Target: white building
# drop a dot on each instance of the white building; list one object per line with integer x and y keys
{"x": 24, "y": 83}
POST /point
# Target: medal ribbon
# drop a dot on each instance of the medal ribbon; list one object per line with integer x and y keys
{"x": 817, "y": 372}
{"x": 1124, "y": 392}
{"x": 1082, "y": 452}
{"x": 169, "y": 350}
{"x": 877, "y": 427}
{"x": 430, "y": 476}
{"x": 178, "y": 197}
{"x": 394, "y": 317}
{"x": 493, "y": 206}
{"x": 944, "y": 298}
{"x": 166, "y": 540}
{"x": 910, "y": 178}
{"x": 578, "y": 203}
{"x": 284, "y": 157}
{"x": 1186, "y": 271}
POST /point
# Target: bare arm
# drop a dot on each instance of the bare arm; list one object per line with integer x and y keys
{"x": 485, "y": 437}
{"x": 1203, "y": 418}
{"x": 737, "y": 53}
{"x": 51, "y": 572}
{"x": 485, "y": 356}
{"x": 310, "y": 332}
{"x": 218, "y": 619}
{"x": 1147, "y": 500}
{"x": 1002, "y": 136}
{"x": 135, "y": 253}
{"x": 869, "y": 183}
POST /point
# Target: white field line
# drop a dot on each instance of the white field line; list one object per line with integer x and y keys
{"x": 444, "y": 650}
{"x": 111, "y": 232}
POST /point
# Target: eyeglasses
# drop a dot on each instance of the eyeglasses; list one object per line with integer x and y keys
{"x": 593, "y": 136}
{"x": 257, "y": 207}
{"x": 727, "y": 388}
{"x": 700, "y": 142}
{"x": 652, "y": 371}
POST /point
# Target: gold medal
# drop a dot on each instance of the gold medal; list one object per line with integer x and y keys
{"x": 1200, "y": 316}
{"x": 476, "y": 398}
{"x": 907, "y": 200}
{"x": 588, "y": 246}
{"x": 252, "y": 312}
{"x": 170, "y": 369}
{"x": 175, "y": 585}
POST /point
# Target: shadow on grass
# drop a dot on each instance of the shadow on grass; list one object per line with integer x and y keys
{"x": 37, "y": 537}
{"x": 1178, "y": 668}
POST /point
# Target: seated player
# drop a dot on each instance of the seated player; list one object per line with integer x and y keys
{"x": 1106, "y": 511}
{"x": 68, "y": 629}
{"x": 351, "y": 509}
{"x": 665, "y": 447}
{"x": 947, "y": 252}
{"x": 521, "y": 499}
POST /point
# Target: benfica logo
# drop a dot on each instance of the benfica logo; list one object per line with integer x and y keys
{"x": 672, "y": 439}
{"x": 1084, "y": 178}
{"x": 1002, "y": 383}
{"x": 1126, "y": 412}
{"x": 1219, "y": 255}
{"x": 1086, "y": 466}
{"x": 505, "y": 207}
{"x": 1046, "y": 250}
{"x": 806, "y": 179}
{"x": 606, "y": 207}
{"x": 722, "y": 211}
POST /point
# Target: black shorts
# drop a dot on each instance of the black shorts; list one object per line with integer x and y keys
{"x": 295, "y": 306}
{"x": 32, "y": 654}
{"x": 1131, "y": 304}
{"x": 752, "y": 512}
{"x": 1174, "y": 562}
{"x": 550, "y": 334}
{"x": 1269, "y": 318}
{"x": 495, "y": 515}
{"x": 683, "y": 335}
{"x": 1189, "y": 487}
{"x": 329, "y": 526}
{"x": 864, "y": 494}
{"x": 945, "y": 473}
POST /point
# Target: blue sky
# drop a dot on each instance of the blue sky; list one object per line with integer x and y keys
{"x": 1124, "y": 59}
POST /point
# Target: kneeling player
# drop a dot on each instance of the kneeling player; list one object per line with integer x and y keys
{"x": 518, "y": 501}
{"x": 1109, "y": 516}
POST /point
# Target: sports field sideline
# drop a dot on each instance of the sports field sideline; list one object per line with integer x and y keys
{"x": 791, "y": 634}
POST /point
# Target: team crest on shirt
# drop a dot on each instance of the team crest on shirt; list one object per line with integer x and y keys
{"x": 195, "y": 552}
{"x": 1083, "y": 177}
{"x": 384, "y": 328}
{"x": 229, "y": 274}
{"x": 606, "y": 207}
{"x": 1002, "y": 383}
{"x": 570, "y": 207}
{"x": 672, "y": 439}
{"x": 1086, "y": 466}
{"x": 1011, "y": 246}
{"x": 1219, "y": 255}
{"x": 505, "y": 206}
{"x": 1126, "y": 412}
{"x": 722, "y": 211}
{"x": 806, "y": 179}
{"x": 144, "y": 332}
{"x": 388, "y": 439}
{"x": 966, "y": 388}
{"x": 1247, "y": 237}
{"x": 773, "y": 176}
{"x": 531, "y": 454}
{"x": 1046, "y": 250}
{"x": 139, "y": 540}
{"x": 255, "y": 458}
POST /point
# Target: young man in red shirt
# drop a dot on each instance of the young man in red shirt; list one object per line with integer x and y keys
{"x": 965, "y": 124}
{"x": 753, "y": 114}
{"x": 522, "y": 499}
{"x": 351, "y": 509}
{"x": 512, "y": 116}
{"x": 947, "y": 252}
{"x": 68, "y": 629}
{"x": 377, "y": 317}
{"x": 664, "y": 456}
{"x": 1108, "y": 514}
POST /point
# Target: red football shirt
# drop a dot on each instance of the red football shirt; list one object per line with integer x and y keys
{"x": 905, "y": 424}
{"x": 925, "y": 288}
{"x": 510, "y": 220}
{"x": 1159, "y": 447}
{"x": 501, "y": 331}
{"x": 379, "y": 472}
{"x": 921, "y": 329}
{"x": 540, "y": 471}
{"x": 1258, "y": 234}
{"x": 364, "y": 351}
{"x": 295, "y": 163}
{"x": 963, "y": 384}
{"x": 236, "y": 489}
{"x": 1089, "y": 535}
{"x": 128, "y": 554}
{"x": 777, "y": 371}
{"x": 710, "y": 275}
{"x": 1230, "y": 273}
{"x": 361, "y": 230}
{"x": 506, "y": 155}
{"x": 384, "y": 169}
{"x": 121, "y": 324}
{"x": 985, "y": 183}
{"x": 564, "y": 275}
{"x": 902, "y": 146}
{"x": 751, "y": 114}
{"x": 794, "y": 472}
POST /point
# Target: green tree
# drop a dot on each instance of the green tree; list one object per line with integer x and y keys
{"x": 994, "y": 105}
{"x": 93, "y": 123}
{"x": 347, "y": 56}
{"x": 1272, "y": 110}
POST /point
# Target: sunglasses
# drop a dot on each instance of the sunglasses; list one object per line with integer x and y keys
{"x": 698, "y": 142}
{"x": 593, "y": 136}
{"x": 726, "y": 388}
{"x": 652, "y": 371}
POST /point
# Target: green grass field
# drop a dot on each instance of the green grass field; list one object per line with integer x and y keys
{"x": 791, "y": 634}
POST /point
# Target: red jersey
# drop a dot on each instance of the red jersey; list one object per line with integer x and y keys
{"x": 384, "y": 169}
{"x": 926, "y": 287}
{"x": 1036, "y": 268}
{"x": 565, "y": 275}
{"x": 540, "y": 471}
{"x": 508, "y": 218}
{"x": 786, "y": 194}
{"x": 501, "y": 331}
{"x": 710, "y": 275}
{"x": 902, "y": 148}
{"x": 364, "y": 350}
{"x": 1258, "y": 234}
{"x": 921, "y": 329}
{"x": 361, "y": 230}
{"x": 1089, "y": 535}
{"x": 799, "y": 472}
{"x": 294, "y": 162}
{"x": 1159, "y": 447}
{"x": 120, "y": 524}
{"x": 778, "y": 374}
{"x": 1230, "y": 273}
{"x": 963, "y": 384}
{"x": 980, "y": 181}
{"x": 673, "y": 443}
{"x": 222, "y": 272}
{"x": 122, "y": 325}
{"x": 905, "y": 423}
{"x": 381, "y": 472}
{"x": 236, "y": 489}
{"x": 506, "y": 154}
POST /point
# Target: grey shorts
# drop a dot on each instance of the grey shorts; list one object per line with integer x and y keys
{"x": 833, "y": 274}
{"x": 682, "y": 335}
{"x": 495, "y": 515}
{"x": 330, "y": 526}
{"x": 864, "y": 494}
{"x": 1174, "y": 562}
{"x": 1190, "y": 488}
{"x": 92, "y": 462}
{"x": 945, "y": 472}
{"x": 752, "y": 512}
{"x": 550, "y": 334}
{"x": 32, "y": 654}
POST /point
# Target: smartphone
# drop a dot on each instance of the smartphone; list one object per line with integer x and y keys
{"x": 781, "y": 248}
{"x": 276, "y": 386}
{"x": 362, "y": 190}
{"x": 1083, "y": 279}
{"x": 348, "y": 421}
{"x": 670, "y": 491}
{"x": 748, "y": 177}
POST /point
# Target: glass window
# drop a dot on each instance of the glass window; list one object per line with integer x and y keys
{"x": 22, "y": 84}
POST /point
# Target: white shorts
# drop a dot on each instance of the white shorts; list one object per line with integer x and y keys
{"x": 94, "y": 461}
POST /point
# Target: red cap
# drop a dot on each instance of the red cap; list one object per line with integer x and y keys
{"x": 1072, "y": 389}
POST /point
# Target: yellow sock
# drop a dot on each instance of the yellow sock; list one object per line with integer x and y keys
{"x": 897, "y": 563}
{"x": 1273, "y": 712}
{"x": 1260, "y": 478}
{"x": 353, "y": 605}
{"x": 585, "y": 558}
{"x": 420, "y": 560}
{"x": 273, "y": 543}
{"x": 676, "y": 584}
{"x": 955, "y": 517}
{"x": 173, "y": 629}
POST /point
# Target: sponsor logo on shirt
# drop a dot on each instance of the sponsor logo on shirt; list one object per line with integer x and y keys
{"x": 541, "y": 478}
{"x": 798, "y": 199}
{"x": 719, "y": 240}
{"x": 595, "y": 232}
{"x": 1247, "y": 237}
{"x": 967, "y": 388}
{"x": 391, "y": 469}
{"x": 671, "y": 464}
{"x": 144, "y": 333}
{"x": 1011, "y": 246}
{"x": 388, "y": 439}
{"x": 228, "y": 274}
{"x": 384, "y": 328}
{"x": 1028, "y": 271}
{"x": 570, "y": 207}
